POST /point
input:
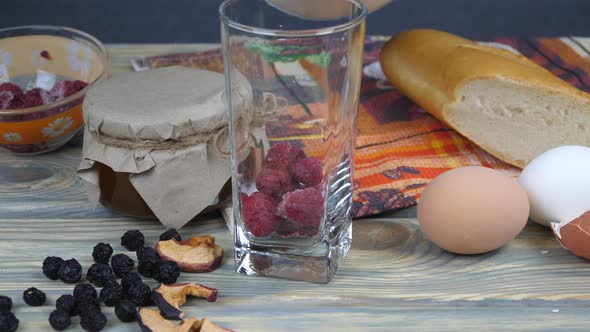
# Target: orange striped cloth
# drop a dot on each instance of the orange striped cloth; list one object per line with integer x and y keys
{"x": 400, "y": 148}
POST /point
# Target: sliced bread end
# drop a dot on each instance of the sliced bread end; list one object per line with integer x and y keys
{"x": 517, "y": 122}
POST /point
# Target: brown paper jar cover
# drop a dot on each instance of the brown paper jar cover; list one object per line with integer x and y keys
{"x": 151, "y": 143}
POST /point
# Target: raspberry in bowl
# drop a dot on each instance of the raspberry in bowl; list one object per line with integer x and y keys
{"x": 45, "y": 72}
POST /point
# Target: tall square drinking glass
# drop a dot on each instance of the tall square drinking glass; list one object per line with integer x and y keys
{"x": 293, "y": 71}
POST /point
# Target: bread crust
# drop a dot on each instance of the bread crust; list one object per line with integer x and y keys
{"x": 431, "y": 66}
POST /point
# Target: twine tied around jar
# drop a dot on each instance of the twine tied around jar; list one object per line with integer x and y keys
{"x": 249, "y": 118}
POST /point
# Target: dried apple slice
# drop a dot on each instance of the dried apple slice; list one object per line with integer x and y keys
{"x": 151, "y": 321}
{"x": 195, "y": 255}
{"x": 575, "y": 235}
{"x": 169, "y": 298}
{"x": 209, "y": 326}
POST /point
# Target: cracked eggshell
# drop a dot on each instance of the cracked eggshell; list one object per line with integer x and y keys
{"x": 558, "y": 184}
{"x": 575, "y": 235}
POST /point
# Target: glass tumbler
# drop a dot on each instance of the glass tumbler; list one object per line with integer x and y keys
{"x": 293, "y": 73}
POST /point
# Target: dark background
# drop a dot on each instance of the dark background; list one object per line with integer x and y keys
{"x": 164, "y": 21}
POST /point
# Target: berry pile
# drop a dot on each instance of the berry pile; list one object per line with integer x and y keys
{"x": 12, "y": 97}
{"x": 126, "y": 296}
{"x": 289, "y": 200}
{"x": 8, "y": 321}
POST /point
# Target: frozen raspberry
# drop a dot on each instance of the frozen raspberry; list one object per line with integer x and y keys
{"x": 65, "y": 89}
{"x": 258, "y": 211}
{"x": 308, "y": 171}
{"x": 5, "y": 100}
{"x": 283, "y": 156}
{"x": 14, "y": 89}
{"x": 17, "y": 103}
{"x": 274, "y": 182}
{"x": 58, "y": 92}
{"x": 304, "y": 207}
{"x": 45, "y": 54}
{"x": 78, "y": 85}
{"x": 11, "y": 96}
{"x": 34, "y": 97}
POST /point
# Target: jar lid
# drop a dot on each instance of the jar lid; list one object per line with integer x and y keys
{"x": 165, "y": 104}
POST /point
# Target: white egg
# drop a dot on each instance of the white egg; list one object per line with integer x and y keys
{"x": 558, "y": 184}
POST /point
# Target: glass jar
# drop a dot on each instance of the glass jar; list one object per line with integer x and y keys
{"x": 155, "y": 143}
{"x": 119, "y": 195}
{"x": 292, "y": 183}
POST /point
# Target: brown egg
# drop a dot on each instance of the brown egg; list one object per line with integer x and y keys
{"x": 473, "y": 210}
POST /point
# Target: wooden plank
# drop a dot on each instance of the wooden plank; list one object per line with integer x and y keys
{"x": 392, "y": 276}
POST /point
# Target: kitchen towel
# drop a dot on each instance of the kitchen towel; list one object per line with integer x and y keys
{"x": 400, "y": 148}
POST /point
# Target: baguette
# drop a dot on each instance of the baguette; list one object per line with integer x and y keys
{"x": 505, "y": 103}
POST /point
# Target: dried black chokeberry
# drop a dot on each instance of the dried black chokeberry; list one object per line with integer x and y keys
{"x": 139, "y": 294}
{"x": 102, "y": 253}
{"x": 70, "y": 271}
{"x": 167, "y": 272}
{"x": 68, "y": 304}
{"x": 130, "y": 280}
{"x": 132, "y": 240}
{"x": 111, "y": 294}
{"x": 60, "y": 320}
{"x": 100, "y": 274}
{"x": 148, "y": 268}
{"x": 86, "y": 306}
{"x": 170, "y": 234}
{"x": 85, "y": 291}
{"x": 147, "y": 253}
{"x": 126, "y": 311}
{"x": 94, "y": 321}
{"x": 51, "y": 267}
{"x": 148, "y": 262}
{"x": 122, "y": 265}
{"x": 5, "y": 303}
{"x": 34, "y": 297}
{"x": 8, "y": 322}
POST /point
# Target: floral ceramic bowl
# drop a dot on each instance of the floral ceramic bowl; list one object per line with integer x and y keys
{"x": 45, "y": 72}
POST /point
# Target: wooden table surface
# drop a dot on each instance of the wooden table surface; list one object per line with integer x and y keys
{"x": 393, "y": 279}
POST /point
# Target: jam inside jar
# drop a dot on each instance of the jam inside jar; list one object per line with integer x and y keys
{"x": 119, "y": 195}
